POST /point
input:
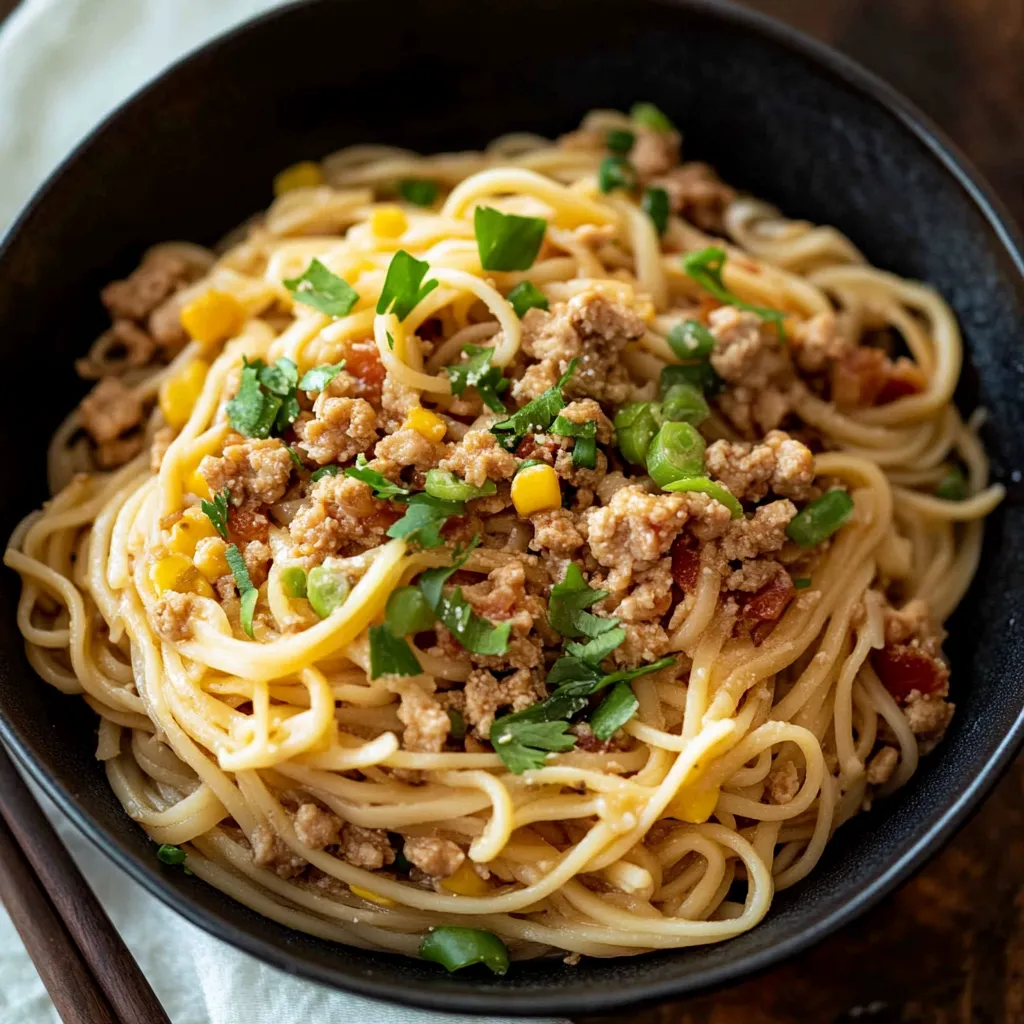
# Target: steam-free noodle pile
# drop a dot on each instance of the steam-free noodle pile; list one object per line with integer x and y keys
{"x": 375, "y": 652}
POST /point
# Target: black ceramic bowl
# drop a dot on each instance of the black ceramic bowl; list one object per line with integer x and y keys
{"x": 192, "y": 155}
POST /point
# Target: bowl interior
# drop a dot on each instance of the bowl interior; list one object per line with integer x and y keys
{"x": 194, "y": 154}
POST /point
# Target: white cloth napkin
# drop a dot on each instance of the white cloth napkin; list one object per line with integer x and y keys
{"x": 64, "y": 65}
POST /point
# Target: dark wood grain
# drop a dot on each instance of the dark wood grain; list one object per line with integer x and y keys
{"x": 949, "y": 947}
{"x": 106, "y": 955}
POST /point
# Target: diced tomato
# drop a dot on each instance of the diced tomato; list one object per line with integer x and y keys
{"x": 858, "y": 378}
{"x": 685, "y": 563}
{"x": 706, "y": 306}
{"x": 246, "y": 525}
{"x": 362, "y": 361}
{"x": 768, "y": 604}
{"x": 903, "y": 668}
{"x": 904, "y": 378}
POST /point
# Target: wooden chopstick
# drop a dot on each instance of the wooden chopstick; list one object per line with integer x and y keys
{"x": 86, "y": 923}
{"x": 72, "y": 987}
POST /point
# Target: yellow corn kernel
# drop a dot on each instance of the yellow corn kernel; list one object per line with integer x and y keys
{"x": 695, "y": 806}
{"x": 176, "y": 572}
{"x": 195, "y": 483}
{"x": 189, "y": 530}
{"x": 306, "y": 174}
{"x": 535, "y": 489}
{"x": 373, "y": 897}
{"x": 213, "y": 317}
{"x": 179, "y": 394}
{"x": 210, "y": 559}
{"x": 388, "y": 221}
{"x": 427, "y": 423}
{"x": 465, "y": 882}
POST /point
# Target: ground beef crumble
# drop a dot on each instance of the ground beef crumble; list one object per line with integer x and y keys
{"x": 255, "y": 472}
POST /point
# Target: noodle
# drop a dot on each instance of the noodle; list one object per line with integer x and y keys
{"x": 292, "y": 771}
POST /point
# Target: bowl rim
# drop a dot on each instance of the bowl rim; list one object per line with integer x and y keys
{"x": 484, "y": 999}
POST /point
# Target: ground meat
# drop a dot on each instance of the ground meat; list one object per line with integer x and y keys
{"x": 782, "y": 783}
{"x": 752, "y": 576}
{"x": 928, "y": 714}
{"x": 478, "y": 458}
{"x": 589, "y": 328}
{"x": 696, "y": 193}
{"x": 817, "y": 342}
{"x": 134, "y": 298}
{"x": 651, "y": 596}
{"x": 914, "y": 622}
{"x": 746, "y": 351}
{"x": 645, "y": 642}
{"x": 270, "y": 851}
{"x": 750, "y": 471}
{"x": 162, "y": 440}
{"x": 613, "y": 481}
{"x": 340, "y": 511}
{"x": 109, "y": 410}
{"x": 766, "y": 532}
{"x": 164, "y": 326}
{"x": 257, "y": 556}
{"x": 654, "y": 152}
{"x": 881, "y": 766}
{"x": 112, "y": 454}
{"x": 255, "y": 472}
{"x": 172, "y": 616}
{"x": 586, "y": 410}
{"x": 122, "y": 347}
{"x": 485, "y": 695}
{"x": 426, "y": 723}
{"x": 754, "y": 411}
{"x": 315, "y": 827}
{"x": 523, "y": 652}
{"x": 340, "y": 430}
{"x": 502, "y": 597}
{"x": 555, "y": 531}
{"x": 408, "y": 447}
{"x": 367, "y": 848}
{"x": 396, "y": 401}
{"x": 437, "y": 858}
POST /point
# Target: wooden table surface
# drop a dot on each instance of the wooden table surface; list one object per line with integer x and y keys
{"x": 949, "y": 947}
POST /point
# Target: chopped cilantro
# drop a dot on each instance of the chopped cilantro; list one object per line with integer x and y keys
{"x": 424, "y": 517}
{"x": 319, "y": 377}
{"x": 319, "y": 474}
{"x": 524, "y": 739}
{"x": 584, "y": 451}
{"x": 295, "y": 457}
{"x": 322, "y": 290}
{"x": 568, "y": 603}
{"x": 403, "y": 286}
{"x": 526, "y": 296}
{"x": 656, "y": 205}
{"x": 616, "y": 172}
{"x": 477, "y": 372}
{"x": 265, "y": 402}
{"x": 418, "y": 191}
{"x": 391, "y": 655}
{"x": 507, "y": 241}
{"x": 382, "y": 487}
{"x": 217, "y": 511}
{"x": 535, "y": 416}
{"x": 619, "y": 141}
{"x": 614, "y": 711}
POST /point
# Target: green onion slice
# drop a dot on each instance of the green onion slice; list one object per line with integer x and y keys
{"x": 615, "y": 172}
{"x": 619, "y": 141}
{"x": 455, "y": 948}
{"x": 449, "y": 487}
{"x": 676, "y": 453}
{"x": 172, "y": 855}
{"x": 647, "y": 115}
{"x": 656, "y": 205}
{"x": 711, "y": 489}
{"x": 326, "y": 590}
{"x": 953, "y": 485}
{"x": 691, "y": 340}
{"x": 293, "y": 581}
{"x": 683, "y": 403}
{"x": 820, "y": 519}
{"x": 635, "y": 426}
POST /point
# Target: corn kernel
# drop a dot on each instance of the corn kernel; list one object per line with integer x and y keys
{"x": 213, "y": 317}
{"x": 388, "y": 221}
{"x": 189, "y": 530}
{"x": 695, "y": 806}
{"x": 195, "y": 483}
{"x": 306, "y": 174}
{"x": 535, "y": 489}
{"x": 210, "y": 559}
{"x": 465, "y": 882}
{"x": 179, "y": 394}
{"x": 373, "y": 897}
{"x": 427, "y": 423}
{"x": 176, "y": 572}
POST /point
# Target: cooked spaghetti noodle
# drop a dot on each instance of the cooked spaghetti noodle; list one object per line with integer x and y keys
{"x": 376, "y": 657}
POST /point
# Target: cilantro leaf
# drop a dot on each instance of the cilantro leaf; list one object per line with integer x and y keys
{"x": 567, "y": 604}
{"x": 403, "y": 286}
{"x": 265, "y": 402}
{"x": 322, "y": 290}
{"x": 382, "y": 487}
{"x": 525, "y": 746}
{"x": 418, "y": 191}
{"x": 319, "y": 474}
{"x": 245, "y": 410}
{"x": 595, "y": 651}
{"x": 535, "y": 416}
{"x": 432, "y": 581}
{"x": 279, "y": 379}
{"x": 477, "y": 372}
{"x": 319, "y": 377}
{"x": 584, "y": 451}
{"x": 424, "y": 518}
{"x": 391, "y": 655}
{"x": 507, "y": 241}
{"x": 614, "y": 711}
{"x": 246, "y": 590}
{"x": 525, "y": 296}
{"x": 295, "y": 457}
{"x": 217, "y": 511}
{"x": 705, "y": 267}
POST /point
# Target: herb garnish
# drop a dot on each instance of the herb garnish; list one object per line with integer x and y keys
{"x": 424, "y": 517}
{"x": 525, "y": 296}
{"x": 614, "y": 711}
{"x": 217, "y": 511}
{"x": 616, "y": 172}
{"x": 322, "y": 290}
{"x": 705, "y": 267}
{"x": 647, "y": 115}
{"x": 246, "y": 591}
{"x": 507, "y": 241}
{"x": 418, "y": 191}
{"x": 320, "y": 376}
{"x": 656, "y": 205}
{"x": 567, "y": 606}
{"x": 535, "y": 416}
{"x": 584, "y": 451}
{"x": 391, "y": 655}
{"x": 477, "y": 372}
{"x": 382, "y": 487}
{"x": 619, "y": 141}
{"x": 403, "y": 286}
